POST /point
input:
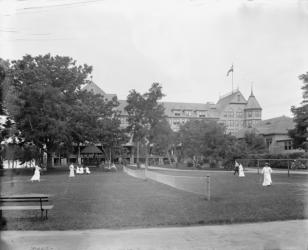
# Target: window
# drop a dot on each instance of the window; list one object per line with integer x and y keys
{"x": 239, "y": 114}
{"x": 288, "y": 145}
{"x": 231, "y": 114}
{"x": 188, "y": 113}
{"x": 177, "y": 113}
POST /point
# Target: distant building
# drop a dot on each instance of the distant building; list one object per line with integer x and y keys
{"x": 275, "y": 132}
{"x": 236, "y": 113}
{"x": 232, "y": 110}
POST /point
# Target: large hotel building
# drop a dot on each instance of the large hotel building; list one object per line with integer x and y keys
{"x": 232, "y": 110}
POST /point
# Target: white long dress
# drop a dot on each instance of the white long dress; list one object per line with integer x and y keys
{"x": 81, "y": 170}
{"x": 87, "y": 170}
{"x": 267, "y": 180}
{"x": 72, "y": 171}
{"x": 37, "y": 175}
{"x": 241, "y": 171}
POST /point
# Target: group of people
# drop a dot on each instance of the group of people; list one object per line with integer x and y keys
{"x": 239, "y": 169}
{"x": 79, "y": 170}
{"x": 266, "y": 171}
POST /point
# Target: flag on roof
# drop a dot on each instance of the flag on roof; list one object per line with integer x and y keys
{"x": 230, "y": 70}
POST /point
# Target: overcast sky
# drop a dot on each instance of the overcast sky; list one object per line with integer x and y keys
{"x": 186, "y": 45}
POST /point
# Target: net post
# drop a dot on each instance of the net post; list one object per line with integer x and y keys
{"x": 208, "y": 187}
{"x": 258, "y": 166}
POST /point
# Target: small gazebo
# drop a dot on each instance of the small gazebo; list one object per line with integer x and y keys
{"x": 91, "y": 155}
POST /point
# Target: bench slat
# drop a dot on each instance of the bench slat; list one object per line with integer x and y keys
{"x": 45, "y": 207}
{"x": 28, "y": 200}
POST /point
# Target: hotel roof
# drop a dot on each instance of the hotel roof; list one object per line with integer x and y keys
{"x": 277, "y": 125}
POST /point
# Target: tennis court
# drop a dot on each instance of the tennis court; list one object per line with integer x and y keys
{"x": 117, "y": 200}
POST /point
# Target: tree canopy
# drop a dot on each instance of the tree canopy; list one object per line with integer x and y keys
{"x": 49, "y": 106}
{"x": 146, "y": 115}
{"x": 144, "y": 111}
{"x": 300, "y": 133}
{"x": 207, "y": 140}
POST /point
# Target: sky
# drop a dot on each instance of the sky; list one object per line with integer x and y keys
{"x": 186, "y": 45}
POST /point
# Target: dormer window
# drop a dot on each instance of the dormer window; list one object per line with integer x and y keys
{"x": 188, "y": 112}
{"x": 177, "y": 113}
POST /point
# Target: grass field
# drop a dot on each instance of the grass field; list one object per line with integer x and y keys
{"x": 115, "y": 200}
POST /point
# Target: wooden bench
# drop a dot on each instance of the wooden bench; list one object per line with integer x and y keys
{"x": 26, "y": 202}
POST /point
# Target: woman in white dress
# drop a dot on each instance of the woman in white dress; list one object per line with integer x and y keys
{"x": 81, "y": 170}
{"x": 266, "y": 171}
{"x": 72, "y": 170}
{"x": 87, "y": 170}
{"x": 241, "y": 171}
{"x": 37, "y": 175}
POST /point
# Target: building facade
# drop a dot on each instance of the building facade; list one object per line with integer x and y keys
{"x": 275, "y": 133}
{"x": 231, "y": 110}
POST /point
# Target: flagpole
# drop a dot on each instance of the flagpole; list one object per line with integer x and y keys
{"x": 232, "y": 77}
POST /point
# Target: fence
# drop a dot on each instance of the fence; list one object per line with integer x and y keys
{"x": 289, "y": 165}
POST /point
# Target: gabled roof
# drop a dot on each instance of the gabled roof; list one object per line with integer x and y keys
{"x": 91, "y": 149}
{"x": 92, "y": 87}
{"x": 278, "y": 125}
{"x": 252, "y": 102}
{"x": 230, "y": 98}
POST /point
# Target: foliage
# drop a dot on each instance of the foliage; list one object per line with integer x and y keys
{"x": 300, "y": 134}
{"x": 144, "y": 111}
{"x": 145, "y": 116}
{"x": 255, "y": 143}
{"x": 206, "y": 141}
{"x": 162, "y": 137}
{"x": 48, "y": 105}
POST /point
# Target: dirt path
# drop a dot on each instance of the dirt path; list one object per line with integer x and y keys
{"x": 291, "y": 235}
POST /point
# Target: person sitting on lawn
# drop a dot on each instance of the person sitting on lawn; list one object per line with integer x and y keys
{"x": 236, "y": 166}
{"x": 87, "y": 170}
{"x": 113, "y": 167}
{"x": 241, "y": 171}
{"x": 81, "y": 170}
{"x": 266, "y": 171}
{"x": 77, "y": 170}
{"x": 72, "y": 170}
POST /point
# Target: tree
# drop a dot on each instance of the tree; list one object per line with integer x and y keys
{"x": 207, "y": 140}
{"x": 255, "y": 143}
{"x": 47, "y": 102}
{"x": 162, "y": 140}
{"x": 144, "y": 113}
{"x": 300, "y": 134}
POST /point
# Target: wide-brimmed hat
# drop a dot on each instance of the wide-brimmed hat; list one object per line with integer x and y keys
{"x": 266, "y": 164}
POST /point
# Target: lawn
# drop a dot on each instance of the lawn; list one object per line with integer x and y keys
{"x": 115, "y": 200}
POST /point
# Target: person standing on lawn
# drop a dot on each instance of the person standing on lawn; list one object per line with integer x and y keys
{"x": 241, "y": 171}
{"x": 72, "y": 170}
{"x": 267, "y": 171}
{"x": 236, "y": 166}
{"x": 37, "y": 175}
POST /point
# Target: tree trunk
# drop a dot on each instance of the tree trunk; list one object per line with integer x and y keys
{"x": 138, "y": 163}
{"x": 50, "y": 160}
{"x": 169, "y": 158}
{"x": 78, "y": 156}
